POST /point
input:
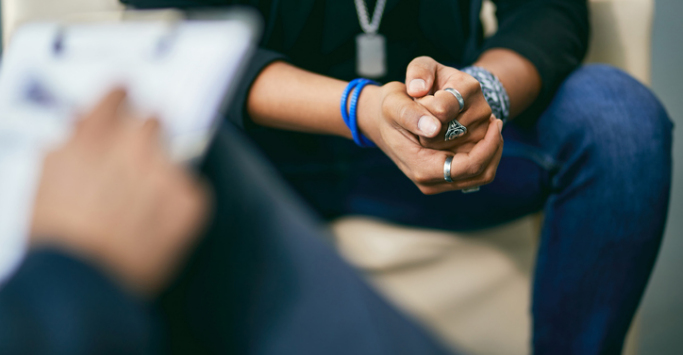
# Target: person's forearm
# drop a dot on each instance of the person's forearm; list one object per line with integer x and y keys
{"x": 517, "y": 74}
{"x": 286, "y": 97}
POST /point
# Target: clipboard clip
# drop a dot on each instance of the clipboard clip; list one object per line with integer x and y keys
{"x": 161, "y": 48}
{"x": 58, "y": 42}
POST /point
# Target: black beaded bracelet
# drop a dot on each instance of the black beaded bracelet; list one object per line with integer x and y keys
{"x": 493, "y": 91}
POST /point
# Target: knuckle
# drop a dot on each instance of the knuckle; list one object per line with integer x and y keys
{"x": 402, "y": 111}
{"x": 440, "y": 110}
{"x": 420, "y": 177}
{"x": 427, "y": 190}
{"x": 486, "y": 111}
{"x": 472, "y": 84}
{"x": 489, "y": 177}
{"x": 394, "y": 85}
{"x": 473, "y": 169}
{"x": 405, "y": 117}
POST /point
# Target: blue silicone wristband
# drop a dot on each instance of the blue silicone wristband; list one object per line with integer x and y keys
{"x": 350, "y": 118}
{"x": 345, "y": 97}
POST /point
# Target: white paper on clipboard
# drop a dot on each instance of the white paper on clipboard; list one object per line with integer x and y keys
{"x": 182, "y": 73}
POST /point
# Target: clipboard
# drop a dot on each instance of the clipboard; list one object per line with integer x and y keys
{"x": 183, "y": 73}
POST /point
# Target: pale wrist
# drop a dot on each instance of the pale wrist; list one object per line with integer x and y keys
{"x": 368, "y": 110}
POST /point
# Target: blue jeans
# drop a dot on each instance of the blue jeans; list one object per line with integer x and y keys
{"x": 597, "y": 163}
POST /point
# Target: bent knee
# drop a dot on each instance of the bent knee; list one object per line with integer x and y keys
{"x": 613, "y": 110}
{"x": 610, "y": 119}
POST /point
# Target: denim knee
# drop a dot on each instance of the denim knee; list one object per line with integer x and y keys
{"x": 612, "y": 122}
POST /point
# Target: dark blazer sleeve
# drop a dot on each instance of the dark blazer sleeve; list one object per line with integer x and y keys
{"x": 56, "y": 304}
{"x": 552, "y": 34}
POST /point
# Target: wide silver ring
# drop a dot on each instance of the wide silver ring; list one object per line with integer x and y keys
{"x": 458, "y": 96}
{"x": 454, "y": 130}
{"x": 447, "y": 168}
{"x": 471, "y": 189}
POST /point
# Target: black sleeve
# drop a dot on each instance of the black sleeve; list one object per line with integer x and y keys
{"x": 552, "y": 34}
{"x": 237, "y": 110}
{"x": 55, "y": 304}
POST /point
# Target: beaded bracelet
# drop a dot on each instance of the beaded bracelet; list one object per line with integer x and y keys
{"x": 493, "y": 91}
{"x": 350, "y": 119}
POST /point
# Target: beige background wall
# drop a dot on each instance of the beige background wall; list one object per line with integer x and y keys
{"x": 661, "y": 310}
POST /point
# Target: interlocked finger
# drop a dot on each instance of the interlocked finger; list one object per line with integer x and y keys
{"x": 466, "y": 169}
{"x": 484, "y": 178}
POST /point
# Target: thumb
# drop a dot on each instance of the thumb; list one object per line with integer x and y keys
{"x": 412, "y": 116}
{"x": 420, "y": 76}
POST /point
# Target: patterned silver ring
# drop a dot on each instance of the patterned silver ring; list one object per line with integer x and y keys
{"x": 455, "y": 130}
{"x": 459, "y": 98}
{"x": 447, "y": 168}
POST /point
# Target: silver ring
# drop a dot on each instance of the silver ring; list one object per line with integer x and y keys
{"x": 471, "y": 189}
{"x": 454, "y": 130}
{"x": 447, "y": 168}
{"x": 458, "y": 96}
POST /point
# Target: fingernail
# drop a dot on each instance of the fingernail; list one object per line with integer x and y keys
{"x": 417, "y": 85}
{"x": 500, "y": 124}
{"x": 428, "y": 125}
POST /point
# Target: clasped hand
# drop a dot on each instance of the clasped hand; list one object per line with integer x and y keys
{"x": 410, "y": 122}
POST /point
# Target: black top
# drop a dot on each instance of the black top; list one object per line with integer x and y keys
{"x": 319, "y": 36}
